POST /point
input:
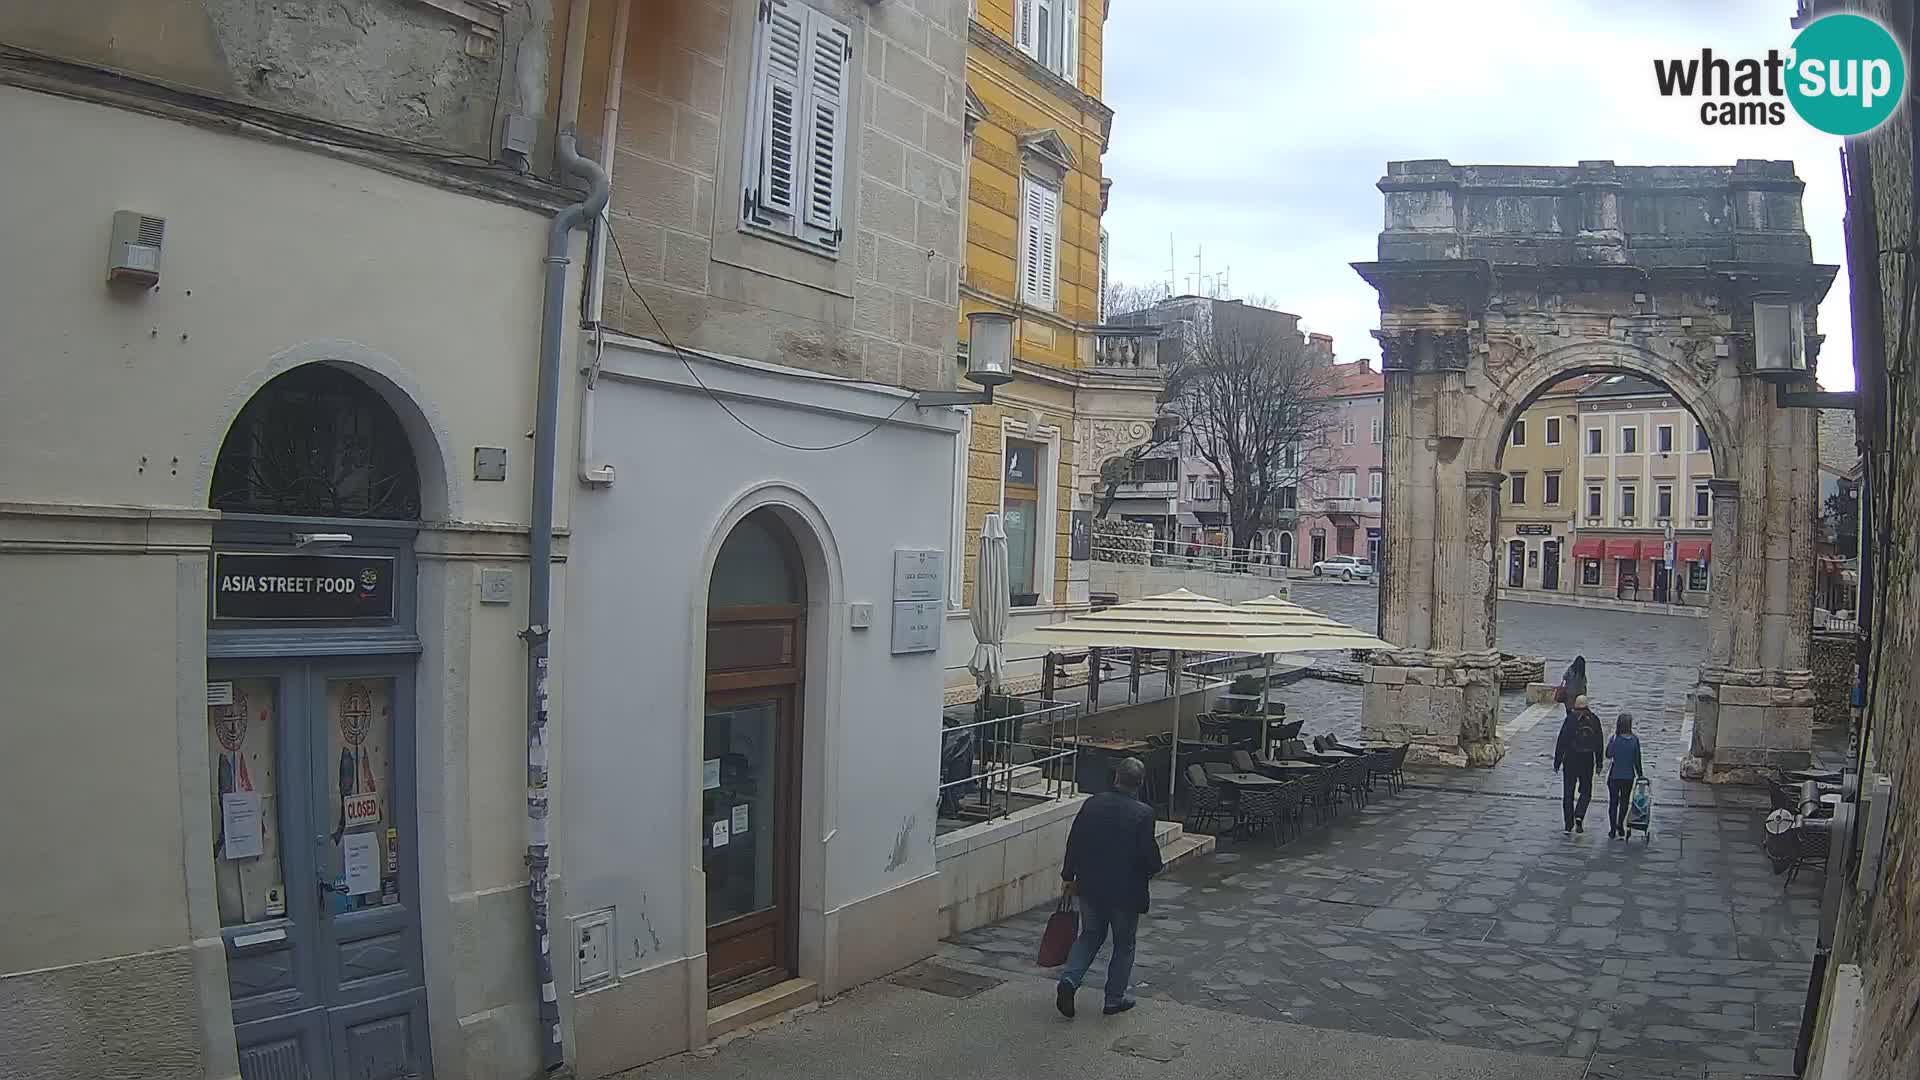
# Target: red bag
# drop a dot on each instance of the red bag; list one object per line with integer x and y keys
{"x": 1062, "y": 927}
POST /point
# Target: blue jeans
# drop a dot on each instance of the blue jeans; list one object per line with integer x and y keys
{"x": 1095, "y": 921}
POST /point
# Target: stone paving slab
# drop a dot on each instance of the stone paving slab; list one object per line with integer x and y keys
{"x": 1471, "y": 920}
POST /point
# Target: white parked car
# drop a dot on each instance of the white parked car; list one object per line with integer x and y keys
{"x": 1344, "y": 567}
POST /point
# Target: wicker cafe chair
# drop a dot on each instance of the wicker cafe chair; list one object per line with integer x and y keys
{"x": 1215, "y": 728}
{"x": 1319, "y": 794}
{"x": 1400, "y": 766}
{"x": 1813, "y": 842}
{"x": 1205, "y": 803}
{"x": 1244, "y": 762}
{"x": 1260, "y": 810}
{"x": 1350, "y": 781}
{"x": 1293, "y": 803}
{"x": 1379, "y": 767}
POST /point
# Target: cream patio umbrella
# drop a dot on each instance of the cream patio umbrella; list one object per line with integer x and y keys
{"x": 1182, "y": 621}
{"x": 989, "y": 613}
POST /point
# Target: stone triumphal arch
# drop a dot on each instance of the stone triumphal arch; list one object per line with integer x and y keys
{"x": 1495, "y": 282}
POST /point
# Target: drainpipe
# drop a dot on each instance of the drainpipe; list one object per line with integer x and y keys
{"x": 540, "y": 584}
{"x": 590, "y": 474}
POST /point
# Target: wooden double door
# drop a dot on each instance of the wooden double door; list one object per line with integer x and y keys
{"x": 312, "y": 799}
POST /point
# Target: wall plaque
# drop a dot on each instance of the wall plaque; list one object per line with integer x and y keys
{"x": 302, "y": 587}
{"x": 919, "y": 575}
{"x": 916, "y": 625}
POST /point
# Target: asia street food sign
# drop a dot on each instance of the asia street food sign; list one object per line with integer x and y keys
{"x": 301, "y": 587}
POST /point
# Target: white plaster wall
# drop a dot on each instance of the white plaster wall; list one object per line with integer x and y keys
{"x": 273, "y": 256}
{"x": 267, "y": 248}
{"x": 633, "y": 672}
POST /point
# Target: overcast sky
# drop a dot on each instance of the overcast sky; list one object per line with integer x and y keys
{"x": 1256, "y": 129}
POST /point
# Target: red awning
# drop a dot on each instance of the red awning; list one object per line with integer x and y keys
{"x": 1588, "y": 549}
{"x": 1692, "y": 550}
{"x": 1625, "y": 549}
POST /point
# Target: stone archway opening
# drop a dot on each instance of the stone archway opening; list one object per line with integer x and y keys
{"x": 1606, "y": 493}
{"x": 1498, "y": 282}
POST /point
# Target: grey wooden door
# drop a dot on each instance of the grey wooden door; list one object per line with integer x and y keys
{"x": 319, "y": 895}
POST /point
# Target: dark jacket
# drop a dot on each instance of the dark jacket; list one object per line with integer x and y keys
{"x": 1574, "y": 684}
{"x": 1111, "y": 852}
{"x": 1579, "y": 749}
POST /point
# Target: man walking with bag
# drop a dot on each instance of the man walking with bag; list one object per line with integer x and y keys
{"x": 1111, "y": 854}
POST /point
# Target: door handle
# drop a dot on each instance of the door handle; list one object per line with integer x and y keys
{"x": 320, "y": 877}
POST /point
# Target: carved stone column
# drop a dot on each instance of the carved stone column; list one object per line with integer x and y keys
{"x": 1720, "y": 597}
{"x": 1396, "y": 548}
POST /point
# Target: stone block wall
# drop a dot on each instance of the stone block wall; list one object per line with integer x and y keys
{"x": 1886, "y": 924}
{"x": 1832, "y": 660}
{"x": 1120, "y": 541}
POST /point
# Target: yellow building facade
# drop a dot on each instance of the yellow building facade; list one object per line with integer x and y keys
{"x": 1035, "y": 133}
{"x": 1540, "y": 498}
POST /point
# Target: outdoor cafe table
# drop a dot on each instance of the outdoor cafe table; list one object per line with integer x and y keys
{"x": 1301, "y": 767}
{"x": 1242, "y": 780}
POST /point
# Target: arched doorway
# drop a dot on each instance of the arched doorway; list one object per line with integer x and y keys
{"x": 311, "y": 649}
{"x": 1497, "y": 282}
{"x": 1286, "y": 548}
{"x": 750, "y": 774}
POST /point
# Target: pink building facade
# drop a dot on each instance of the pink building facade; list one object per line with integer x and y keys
{"x": 1343, "y": 480}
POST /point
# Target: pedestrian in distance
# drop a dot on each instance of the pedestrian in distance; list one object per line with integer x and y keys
{"x": 1577, "y": 758}
{"x": 1623, "y": 750}
{"x": 1111, "y": 855}
{"x": 1573, "y": 685}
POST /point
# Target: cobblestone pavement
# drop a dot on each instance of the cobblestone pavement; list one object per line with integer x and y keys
{"x": 1457, "y": 911}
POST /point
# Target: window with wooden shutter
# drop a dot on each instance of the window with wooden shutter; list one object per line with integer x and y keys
{"x": 1049, "y": 31}
{"x": 1039, "y": 243}
{"x": 797, "y": 135}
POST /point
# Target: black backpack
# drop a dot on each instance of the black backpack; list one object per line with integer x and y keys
{"x": 1586, "y": 735}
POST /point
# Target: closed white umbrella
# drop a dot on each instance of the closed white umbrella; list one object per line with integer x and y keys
{"x": 990, "y": 605}
{"x": 989, "y": 613}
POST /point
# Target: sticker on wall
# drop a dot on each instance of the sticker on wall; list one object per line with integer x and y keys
{"x": 240, "y": 824}
{"x": 720, "y": 833}
{"x": 740, "y": 819}
{"x": 710, "y": 774}
{"x": 219, "y": 693}
{"x": 276, "y": 901}
{"x": 360, "y": 853}
{"x": 393, "y": 852}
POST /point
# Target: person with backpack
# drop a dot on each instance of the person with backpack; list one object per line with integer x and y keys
{"x": 1623, "y": 750}
{"x": 1576, "y": 757}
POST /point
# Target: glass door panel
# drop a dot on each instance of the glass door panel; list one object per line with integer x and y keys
{"x": 746, "y": 782}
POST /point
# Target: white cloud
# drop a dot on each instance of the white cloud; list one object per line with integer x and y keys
{"x": 1255, "y": 130}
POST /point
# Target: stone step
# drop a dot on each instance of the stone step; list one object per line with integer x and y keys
{"x": 772, "y": 1001}
{"x": 1187, "y": 846}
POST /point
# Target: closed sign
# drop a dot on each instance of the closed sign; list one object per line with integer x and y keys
{"x": 360, "y": 809}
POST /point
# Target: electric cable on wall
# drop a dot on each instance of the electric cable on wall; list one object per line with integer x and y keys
{"x": 627, "y": 277}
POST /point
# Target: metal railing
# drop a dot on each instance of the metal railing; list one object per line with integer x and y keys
{"x": 989, "y": 762}
{"x": 1212, "y": 558}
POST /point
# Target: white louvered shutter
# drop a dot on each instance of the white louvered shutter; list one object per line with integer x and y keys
{"x": 828, "y": 71}
{"x": 782, "y": 59}
{"x": 1070, "y": 38}
{"x": 1040, "y": 237}
{"x": 1023, "y": 26}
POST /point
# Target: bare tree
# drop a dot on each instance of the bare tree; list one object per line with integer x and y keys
{"x": 1120, "y": 298}
{"x": 1257, "y": 406}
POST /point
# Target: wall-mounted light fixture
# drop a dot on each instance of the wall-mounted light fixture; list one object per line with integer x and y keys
{"x": 989, "y": 361}
{"x": 1780, "y": 356}
{"x": 306, "y": 540}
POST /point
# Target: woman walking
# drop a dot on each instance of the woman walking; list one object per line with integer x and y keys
{"x": 1573, "y": 685}
{"x": 1577, "y": 751}
{"x": 1624, "y": 751}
